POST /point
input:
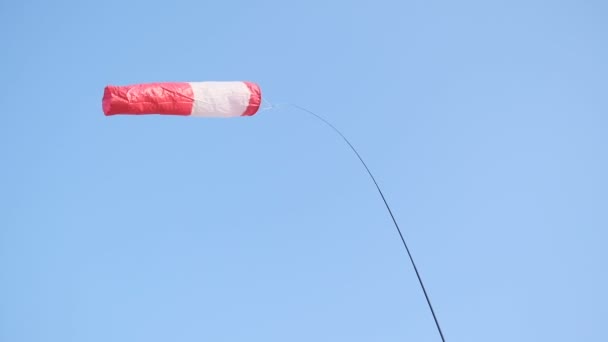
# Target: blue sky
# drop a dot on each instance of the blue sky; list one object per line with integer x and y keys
{"x": 484, "y": 122}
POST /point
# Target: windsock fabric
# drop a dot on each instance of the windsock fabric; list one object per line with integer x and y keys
{"x": 203, "y": 99}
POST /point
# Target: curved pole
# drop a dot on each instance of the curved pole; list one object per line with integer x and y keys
{"x": 389, "y": 211}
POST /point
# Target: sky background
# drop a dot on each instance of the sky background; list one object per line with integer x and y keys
{"x": 484, "y": 122}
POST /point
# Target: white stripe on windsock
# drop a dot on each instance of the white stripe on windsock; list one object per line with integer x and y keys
{"x": 223, "y": 99}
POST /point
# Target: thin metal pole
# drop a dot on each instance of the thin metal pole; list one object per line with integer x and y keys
{"x": 389, "y": 211}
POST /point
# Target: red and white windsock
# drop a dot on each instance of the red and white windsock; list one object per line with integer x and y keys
{"x": 206, "y": 99}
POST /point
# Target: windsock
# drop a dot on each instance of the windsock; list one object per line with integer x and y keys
{"x": 203, "y": 99}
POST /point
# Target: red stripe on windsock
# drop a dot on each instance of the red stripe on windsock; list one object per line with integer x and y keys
{"x": 169, "y": 98}
{"x": 255, "y": 99}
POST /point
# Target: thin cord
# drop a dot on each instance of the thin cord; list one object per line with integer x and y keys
{"x": 389, "y": 211}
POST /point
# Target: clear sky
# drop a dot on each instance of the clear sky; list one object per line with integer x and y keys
{"x": 484, "y": 121}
